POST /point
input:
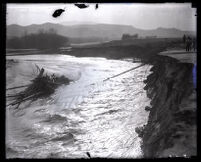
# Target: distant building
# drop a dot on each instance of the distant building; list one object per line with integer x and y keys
{"x": 151, "y": 36}
{"x": 129, "y": 37}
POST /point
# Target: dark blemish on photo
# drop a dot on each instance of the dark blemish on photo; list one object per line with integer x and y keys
{"x": 96, "y": 7}
{"x": 81, "y": 5}
{"x": 57, "y": 13}
{"x": 88, "y": 154}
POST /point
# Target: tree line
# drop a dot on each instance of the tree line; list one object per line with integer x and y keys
{"x": 40, "y": 40}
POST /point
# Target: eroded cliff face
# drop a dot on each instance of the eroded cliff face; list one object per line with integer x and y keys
{"x": 171, "y": 128}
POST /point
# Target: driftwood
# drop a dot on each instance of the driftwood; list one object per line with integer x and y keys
{"x": 16, "y": 87}
{"x": 42, "y": 86}
{"x": 12, "y": 95}
{"x": 124, "y": 72}
{"x": 24, "y": 99}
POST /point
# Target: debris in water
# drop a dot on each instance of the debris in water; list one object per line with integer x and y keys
{"x": 42, "y": 86}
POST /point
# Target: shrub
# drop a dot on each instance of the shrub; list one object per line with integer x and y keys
{"x": 40, "y": 40}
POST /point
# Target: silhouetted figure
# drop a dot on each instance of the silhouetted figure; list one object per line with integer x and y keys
{"x": 57, "y": 13}
{"x": 184, "y": 38}
{"x": 188, "y": 44}
{"x": 53, "y": 77}
{"x": 41, "y": 73}
{"x": 81, "y": 5}
{"x": 194, "y": 44}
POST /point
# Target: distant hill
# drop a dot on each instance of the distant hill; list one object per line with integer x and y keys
{"x": 67, "y": 23}
{"x": 90, "y": 31}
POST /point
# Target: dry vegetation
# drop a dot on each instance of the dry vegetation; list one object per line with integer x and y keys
{"x": 42, "y": 86}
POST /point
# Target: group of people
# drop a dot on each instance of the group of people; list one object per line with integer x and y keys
{"x": 190, "y": 43}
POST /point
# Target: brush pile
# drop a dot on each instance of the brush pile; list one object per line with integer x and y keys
{"x": 41, "y": 87}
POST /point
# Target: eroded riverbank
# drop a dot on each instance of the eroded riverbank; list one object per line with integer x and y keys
{"x": 171, "y": 130}
{"x": 90, "y": 118}
{"x": 87, "y": 115}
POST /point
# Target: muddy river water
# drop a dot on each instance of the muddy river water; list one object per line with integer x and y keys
{"x": 88, "y": 115}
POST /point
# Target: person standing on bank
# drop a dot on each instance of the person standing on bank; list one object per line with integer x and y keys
{"x": 194, "y": 44}
{"x": 184, "y": 39}
{"x": 188, "y": 44}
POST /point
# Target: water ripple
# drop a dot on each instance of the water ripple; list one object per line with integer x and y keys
{"x": 88, "y": 115}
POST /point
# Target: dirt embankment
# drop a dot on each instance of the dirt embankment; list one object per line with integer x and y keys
{"x": 171, "y": 127}
{"x": 139, "y": 48}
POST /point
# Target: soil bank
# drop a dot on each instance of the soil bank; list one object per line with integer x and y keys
{"x": 171, "y": 127}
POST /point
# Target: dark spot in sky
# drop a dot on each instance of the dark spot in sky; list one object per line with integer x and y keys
{"x": 57, "y": 13}
{"x": 96, "y": 7}
{"x": 81, "y": 5}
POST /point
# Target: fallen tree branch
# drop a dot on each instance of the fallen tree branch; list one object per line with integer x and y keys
{"x": 17, "y": 87}
{"x": 41, "y": 86}
{"x": 24, "y": 99}
{"x": 123, "y": 72}
{"x": 17, "y": 95}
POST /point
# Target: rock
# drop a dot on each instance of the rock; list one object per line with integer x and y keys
{"x": 147, "y": 108}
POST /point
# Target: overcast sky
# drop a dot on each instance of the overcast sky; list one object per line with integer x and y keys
{"x": 144, "y": 16}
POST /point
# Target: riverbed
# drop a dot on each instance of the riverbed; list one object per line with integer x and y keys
{"x": 88, "y": 115}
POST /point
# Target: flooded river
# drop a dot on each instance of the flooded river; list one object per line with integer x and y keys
{"x": 88, "y": 115}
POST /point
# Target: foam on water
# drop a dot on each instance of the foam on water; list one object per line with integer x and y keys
{"x": 87, "y": 115}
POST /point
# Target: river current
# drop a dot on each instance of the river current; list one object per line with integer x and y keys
{"x": 88, "y": 115}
